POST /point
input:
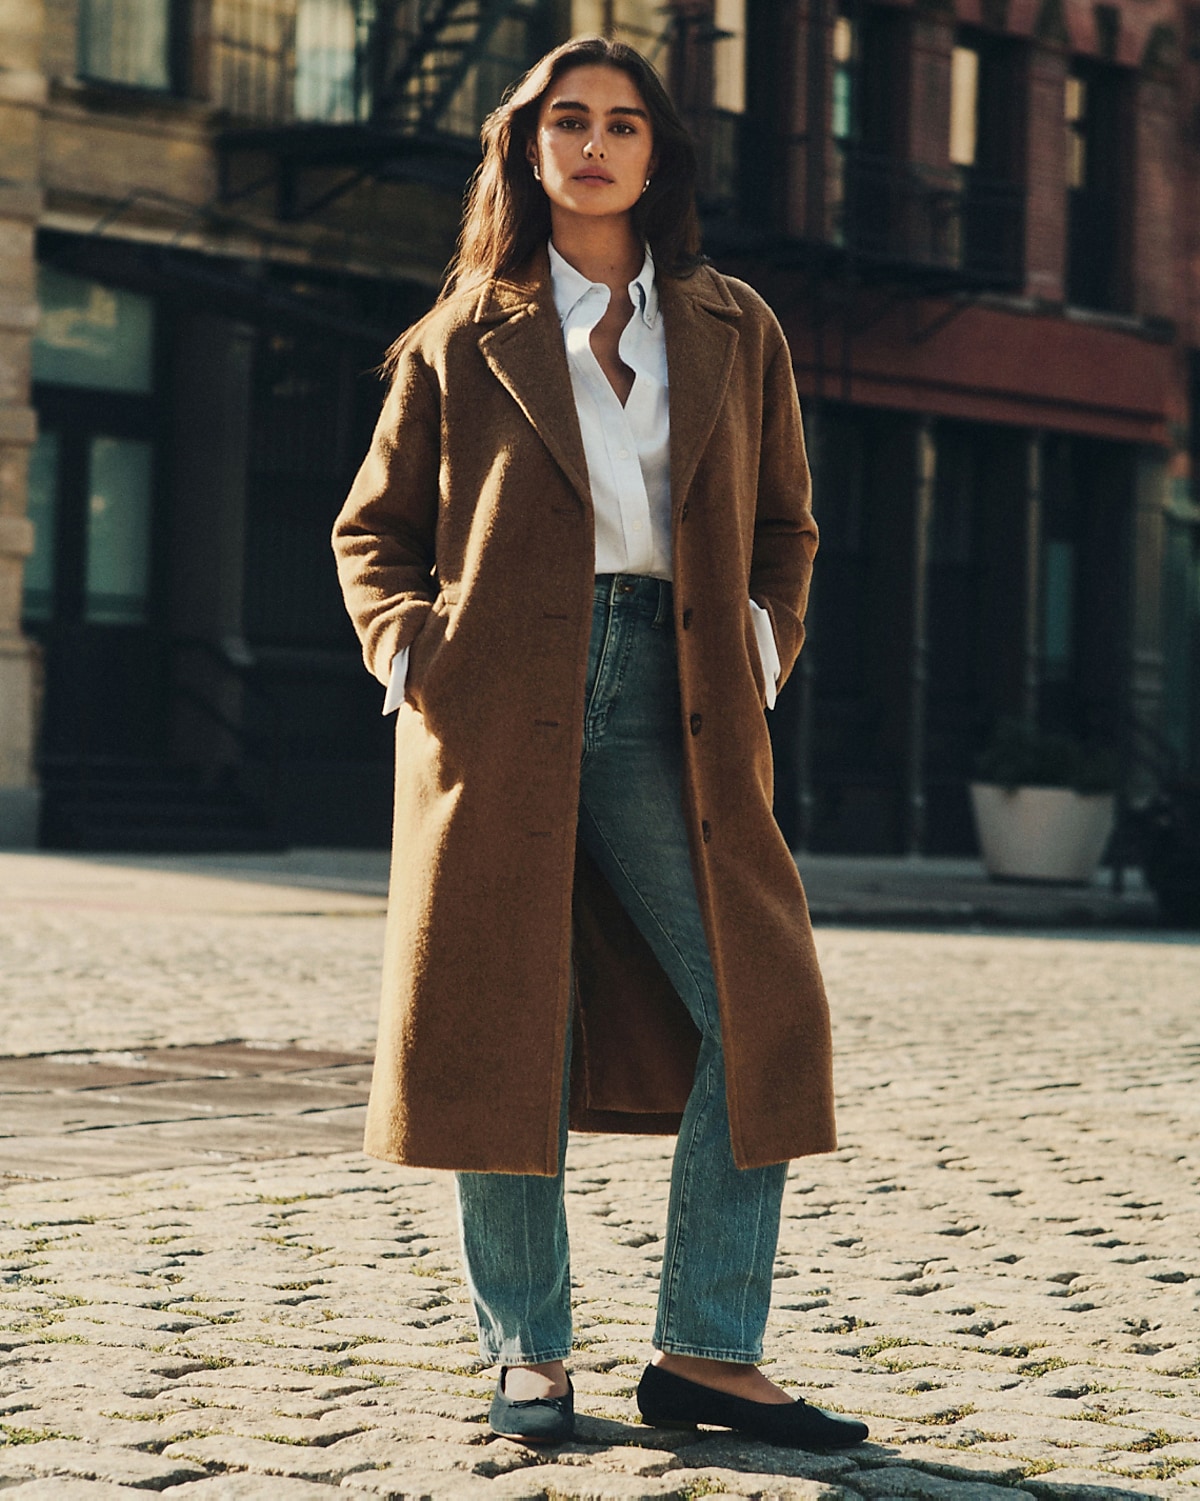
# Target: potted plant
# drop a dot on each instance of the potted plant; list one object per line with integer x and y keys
{"x": 1043, "y": 805}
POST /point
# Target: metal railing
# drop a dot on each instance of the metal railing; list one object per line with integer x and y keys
{"x": 225, "y": 720}
{"x": 282, "y": 60}
{"x": 412, "y": 64}
{"x": 899, "y": 214}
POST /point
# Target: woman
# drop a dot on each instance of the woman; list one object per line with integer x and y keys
{"x": 578, "y": 554}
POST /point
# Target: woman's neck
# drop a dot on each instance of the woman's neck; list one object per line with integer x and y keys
{"x": 605, "y": 249}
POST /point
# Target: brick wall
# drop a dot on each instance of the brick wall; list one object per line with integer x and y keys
{"x": 1156, "y": 282}
{"x": 1046, "y": 176}
{"x": 22, "y": 93}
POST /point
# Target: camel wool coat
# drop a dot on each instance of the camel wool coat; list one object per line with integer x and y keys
{"x": 468, "y": 537}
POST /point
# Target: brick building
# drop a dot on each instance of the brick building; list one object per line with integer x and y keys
{"x": 976, "y": 220}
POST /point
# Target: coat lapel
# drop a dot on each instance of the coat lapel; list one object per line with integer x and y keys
{"x": 523, "y": 345}
{"x": 524, "y": 350}
{"x": 702, "y": 340}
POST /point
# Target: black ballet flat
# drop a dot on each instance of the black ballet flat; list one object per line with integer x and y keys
{"x": 669, "y": 1401}
{"x": 538, "y": 1420}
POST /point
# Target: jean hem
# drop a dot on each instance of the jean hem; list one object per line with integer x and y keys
{"x": 704, "y": 1352}
{"x": 536, "y": 1357}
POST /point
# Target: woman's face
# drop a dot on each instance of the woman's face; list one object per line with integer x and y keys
{"x": 594, "y": 145}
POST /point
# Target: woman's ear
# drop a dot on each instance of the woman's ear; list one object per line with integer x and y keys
{"x": 531, "y": 151}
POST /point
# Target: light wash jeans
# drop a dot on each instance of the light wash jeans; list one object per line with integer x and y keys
{"x": 722, "y": 1221}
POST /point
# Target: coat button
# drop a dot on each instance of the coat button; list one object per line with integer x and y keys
{"x": 687, "y": 620}
{"x": 705, "y": 830}
{"x": 684, "y": 512}
{"x": 695, "y": 722}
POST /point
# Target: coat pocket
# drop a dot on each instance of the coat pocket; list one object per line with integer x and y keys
{"x": 755, "y": 657}
{"x": 423, "y": 654}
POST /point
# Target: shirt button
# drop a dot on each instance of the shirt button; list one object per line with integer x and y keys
{"x": 695, "y": 722}
{"x": 623, "y": 453}
{"x": 687, "y": 620}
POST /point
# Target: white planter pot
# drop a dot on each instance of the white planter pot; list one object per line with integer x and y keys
{"x": 1041, "y": 833}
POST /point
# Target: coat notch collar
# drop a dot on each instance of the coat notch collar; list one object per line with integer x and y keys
{"x": 704, "y": 288}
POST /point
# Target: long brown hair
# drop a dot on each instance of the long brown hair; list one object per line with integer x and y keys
{"x": 507, "y": 215}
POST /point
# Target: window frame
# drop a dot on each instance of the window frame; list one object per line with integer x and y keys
{"x": 1107, "y": 191}
{"x": 177, "y": 62}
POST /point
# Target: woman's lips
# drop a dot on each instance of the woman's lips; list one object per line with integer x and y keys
{"x": 592, "y": 177}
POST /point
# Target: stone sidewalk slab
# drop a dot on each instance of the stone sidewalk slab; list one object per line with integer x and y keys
{"x": 125, "y": 1111}
{"x": 999, "y": 1267}
{"x": 842, "y": 889}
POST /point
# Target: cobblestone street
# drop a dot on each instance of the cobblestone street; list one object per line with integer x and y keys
{"x": 207, "y": 1290}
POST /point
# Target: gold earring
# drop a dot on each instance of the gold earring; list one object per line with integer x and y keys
{"x": 537, "y": 172}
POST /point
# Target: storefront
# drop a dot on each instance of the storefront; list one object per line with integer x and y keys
{"x": 201, "y": 683}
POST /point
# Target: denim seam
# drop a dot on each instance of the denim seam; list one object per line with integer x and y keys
{"x": 623, "y": 638}
{"x": 669, "y": 1276}
{"x": 527, "y": 1320}
{"x": 521, "y": 1357}
{"x": 705, "y": 1352}
{"x": 753, "y": 1262}
{"x": 589, "y": 708}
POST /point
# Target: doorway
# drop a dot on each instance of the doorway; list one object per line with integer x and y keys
{"x": 90, "y": 596}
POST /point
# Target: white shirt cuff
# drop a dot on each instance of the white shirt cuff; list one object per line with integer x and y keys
{"x": 768, "y": 652}
{"x": 399, "y": 676}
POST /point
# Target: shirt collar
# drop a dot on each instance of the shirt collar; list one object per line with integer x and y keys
{"x": 571, "y": 287}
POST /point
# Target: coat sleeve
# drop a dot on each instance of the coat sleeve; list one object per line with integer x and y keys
{"x": 785, "y": 534}
{"x": 384, "y": 538}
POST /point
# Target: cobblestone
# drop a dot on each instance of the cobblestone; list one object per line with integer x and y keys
{"x": 1000, "y": 1266}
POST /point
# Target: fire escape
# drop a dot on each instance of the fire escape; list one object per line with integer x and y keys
{"x": 327, "y": 94}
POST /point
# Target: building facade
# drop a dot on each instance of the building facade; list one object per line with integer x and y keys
{"x": 975, "y": 220}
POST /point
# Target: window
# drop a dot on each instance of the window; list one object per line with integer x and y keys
{"x": 332, "y": 38}
{"x": 117, "y": 546}
{"x": 511, "y": 48}
{"x": 870, "y": 186}
{"x": 1058, "y": 608}
{"x": 644, "y": 24}
{"x": 987, "y": 93}
{"x": 92, "y": 469}
{"x": 964, "y": 105}
{"x": 1097, "y": 118}
{"x": 1075, "y": 114}
{"x": 729, "y": 57}
{"x": 92, "y": 335}
{"x": 43, "y": 512}
{"x": 126, "y": 41}
{"x": 843, "y": 78}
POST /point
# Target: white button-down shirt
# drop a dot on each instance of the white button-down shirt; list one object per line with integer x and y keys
{"x": 627, "y": 448}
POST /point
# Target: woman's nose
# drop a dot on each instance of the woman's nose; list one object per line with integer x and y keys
{"x": 594, "y": 146}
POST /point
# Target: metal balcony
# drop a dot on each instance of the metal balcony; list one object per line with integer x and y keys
{"x": 953, "y": 228}
{"x": 380, "y": 88}
{"x": 407, "y": 64}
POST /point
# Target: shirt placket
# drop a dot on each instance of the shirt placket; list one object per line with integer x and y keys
{"x": 642, "y": 412}
{"x": 620, "y": 448}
